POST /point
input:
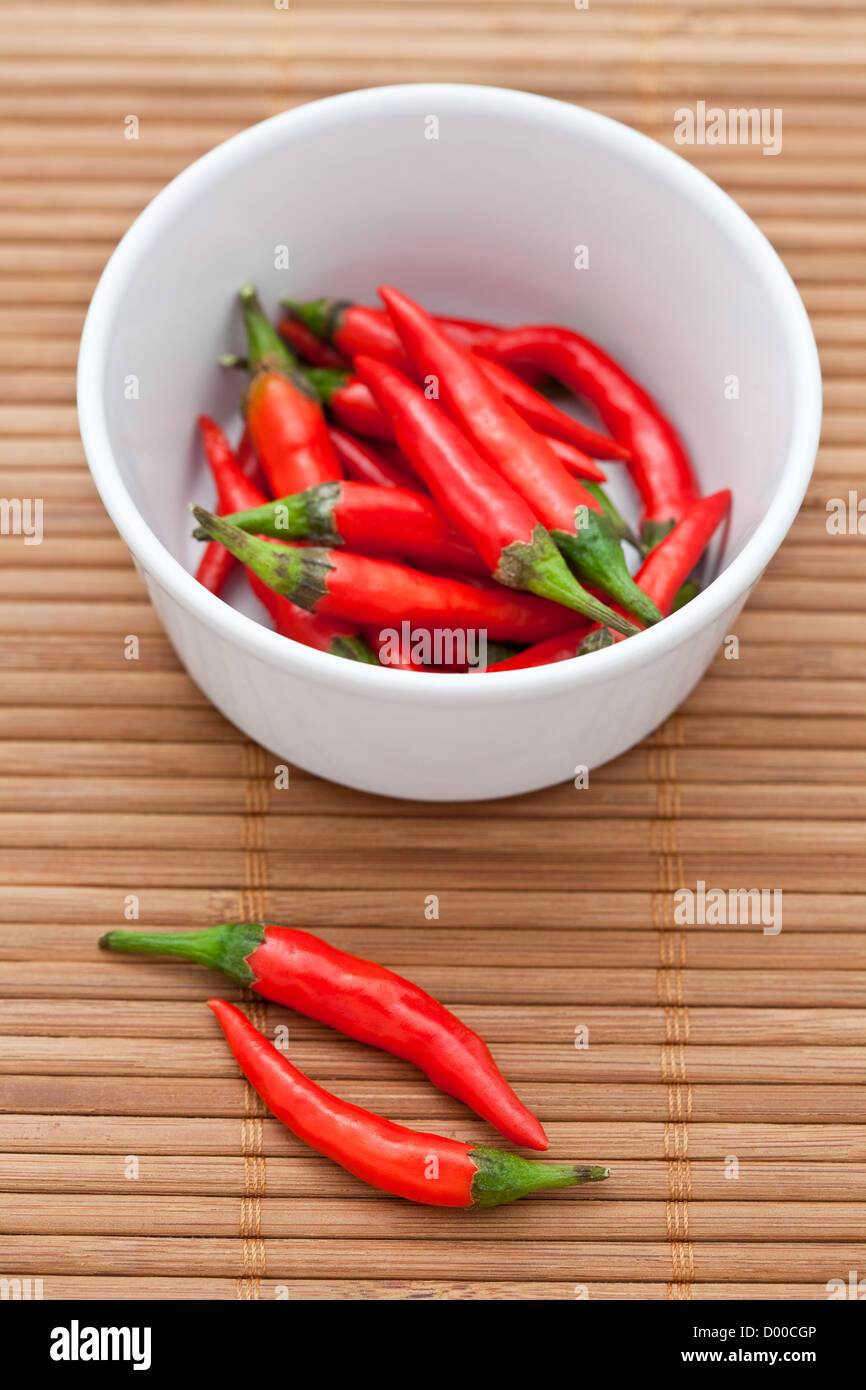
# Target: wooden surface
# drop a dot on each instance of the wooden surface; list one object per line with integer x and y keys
{"x": 117, "y": 778}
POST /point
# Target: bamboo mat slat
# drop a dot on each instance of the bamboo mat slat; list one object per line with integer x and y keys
{"x": 718, "y": 1069}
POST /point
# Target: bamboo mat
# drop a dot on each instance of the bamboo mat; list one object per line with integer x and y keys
{"x": 134, "y": 1161}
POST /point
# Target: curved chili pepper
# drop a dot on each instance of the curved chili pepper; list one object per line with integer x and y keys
{"x": 286, "y": 425}
{"x": 359, "y": 998}
{"x": 424, "y": 1168}
{"x": 374, "y": 521}
{"x": 659, "y": 463}
{"x": 364, "y": 464}
{"x": 572, "y": 515}
{"x": 234, "y": 490}
{"x": 358, "y": 330}
{"x": 381, "y": 593}
{"x": 477, "y": 500}
{"x": 672, "y": 560}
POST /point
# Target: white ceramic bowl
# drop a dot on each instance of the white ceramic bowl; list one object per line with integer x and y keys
{"x": 482, "y": 221}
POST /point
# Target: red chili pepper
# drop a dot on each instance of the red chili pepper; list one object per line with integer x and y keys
{"x": 364, "y": 464}
{"x": 235, "y": 490}
{"x": 421, "y": 1167}
{"x": 664, "y": 572}
{"x": 671, "y": 562}
{"x": 350, "y": 403}
{"x": 371, "y": 520}
{"x": 361, "y": 999}
{"x": 287, "y": 426}
{"x": 562, "y": 647}
{"x": 383, "y": 646}
{"x": 572, "y": 515}
{"x": 659, "y": 463}
{"x": 312, "y": 349}
{"x": 576, "y": 461}
{"x": 477, "y": 500}
{"x": 381, "y": 593}
{"x": 357, "y": 330}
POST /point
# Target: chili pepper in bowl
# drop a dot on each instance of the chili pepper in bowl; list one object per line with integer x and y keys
{"x": 235, "y": 489}
{"x": 424, "y": 1168}
{"x": 375, "y": 592}
{"x": 370, "y": 520}
{"x": 668, "y": 566}
{"x": 659, "y": 463}
{"x": 571, "y": 515}
{"x": 310, "y": 348}
{"x": 361, "y": 331}
{"x": 284, "y": 418}
{"x": 365, "y": 464}
{"x": 234, "y": 492}
{"x": 477, "y": 500}
{"x": 359, "y": 998}
{"x": 575, "y": 460}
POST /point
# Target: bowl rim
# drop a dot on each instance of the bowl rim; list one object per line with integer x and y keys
{"x": 725, "y": 590}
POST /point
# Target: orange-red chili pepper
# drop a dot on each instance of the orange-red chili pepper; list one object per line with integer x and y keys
{"x": 382, "y": 593}
{"x": 421, "y": 1167}
{"x": 359, "y": 998}
{"x": 571, "y": 514}
{"x": 478, "y": 501}
{"x": 287, "y": 426}
{"x": 659, "y": 463}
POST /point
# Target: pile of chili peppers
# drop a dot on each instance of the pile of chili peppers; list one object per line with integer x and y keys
{"x": 403, "y": 476}
{"x": 375, "y": 1006}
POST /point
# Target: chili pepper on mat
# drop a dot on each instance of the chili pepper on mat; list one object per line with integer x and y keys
{"x": 381, "y": 593}
{"x": 357, "y": 330}
{"x": 572, "y": 515}
{"x": 424, "y": 1168}
{"x": 477, "y": 500}
{"x": 659, "y": 463}
{"x": 372, "y": 520}
{"x": 361, "y": 999}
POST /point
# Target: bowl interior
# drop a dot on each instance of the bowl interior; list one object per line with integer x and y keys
{"x": 476, "y": 201}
